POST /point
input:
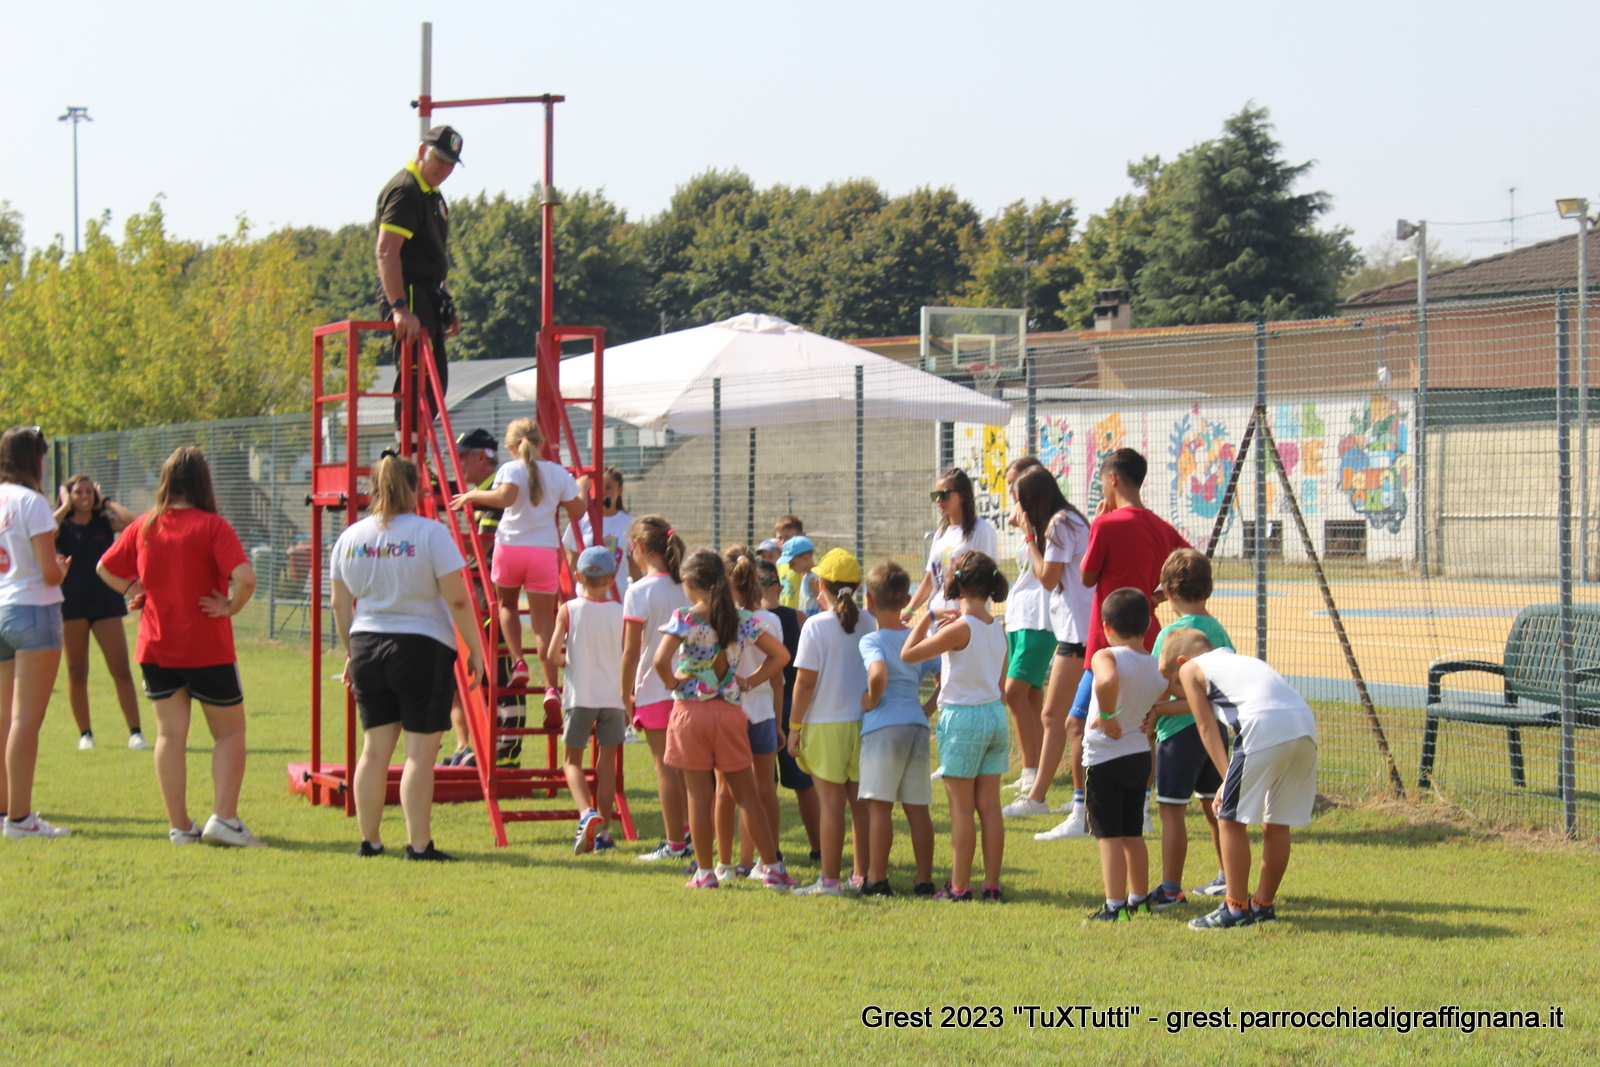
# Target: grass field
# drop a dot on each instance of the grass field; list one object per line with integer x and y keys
{"x": 116, "y": 948}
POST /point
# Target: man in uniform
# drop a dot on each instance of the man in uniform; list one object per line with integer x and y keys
{"x": 413, "y": 226}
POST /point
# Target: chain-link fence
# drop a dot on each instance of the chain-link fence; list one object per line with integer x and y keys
{"x": 1430, "y": 495}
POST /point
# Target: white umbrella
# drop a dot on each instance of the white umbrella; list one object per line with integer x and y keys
{"x": 771, "y": 372}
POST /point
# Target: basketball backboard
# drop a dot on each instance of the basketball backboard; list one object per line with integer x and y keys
{"x": 954, "y": 338}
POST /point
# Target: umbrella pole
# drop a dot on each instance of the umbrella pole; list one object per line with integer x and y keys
{"x": 716, "y": 463}
{"x": 750, "y": 504}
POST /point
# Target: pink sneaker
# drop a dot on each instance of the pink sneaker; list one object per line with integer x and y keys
{"x": 702, "y": 881}
{"x": 776, "y": 877}
{"x": 552, "y": 703}
{"x": 519, "y": 674}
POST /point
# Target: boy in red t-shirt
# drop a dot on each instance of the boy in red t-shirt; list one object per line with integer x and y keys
{"x": 1128, "y": 543}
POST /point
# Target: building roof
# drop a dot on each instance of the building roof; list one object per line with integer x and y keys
{"x": 1539, "y": 268}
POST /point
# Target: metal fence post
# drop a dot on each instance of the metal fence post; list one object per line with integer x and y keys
{"x": 1031, "y": 377}
{"x": 1261, "y": 495}
{"x": 1420, "y": 419}
{"x": 1569, "y": 799}
{"x": 861, "y": 459}
{"x": 750, "y": 500}
{"x": 716, "y": 462}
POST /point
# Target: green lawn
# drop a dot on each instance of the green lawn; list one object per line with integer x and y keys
{"x": 117, "y": 948}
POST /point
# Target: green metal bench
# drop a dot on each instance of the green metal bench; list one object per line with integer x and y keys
{"x": 1532, "y": 689}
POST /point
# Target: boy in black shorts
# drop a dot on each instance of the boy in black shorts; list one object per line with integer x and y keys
{"x": 1116, "y": 753}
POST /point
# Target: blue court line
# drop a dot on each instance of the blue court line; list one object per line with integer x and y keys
{"x": 1244, "y": 593}
{"x": 1343, "y": 690}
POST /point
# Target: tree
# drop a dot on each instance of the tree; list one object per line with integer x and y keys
{"x": 1040, "y": 235}
{"x": 11, "y": 248}
{"x": 1233, "y": 243}
{"x": 155, "y": 331}
{"x": 1114, "y": 246}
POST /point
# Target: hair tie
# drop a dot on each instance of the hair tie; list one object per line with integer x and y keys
{"x": 958, "y": 574}
{"x": 848, "y": 591}
{"x": 388, "y": 453}
{"x": 671, "y": 532}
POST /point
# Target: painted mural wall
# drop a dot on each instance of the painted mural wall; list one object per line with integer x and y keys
{"x": 1348, "y": 458}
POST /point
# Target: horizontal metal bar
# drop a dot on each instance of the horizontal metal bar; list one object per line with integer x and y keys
{"x": 486, "y": 100}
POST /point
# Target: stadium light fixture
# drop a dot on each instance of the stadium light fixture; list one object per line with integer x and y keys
{"x": 75, "y": 115}
{"x": 1404, "y": 230}
{"x": 1572, "y": 207}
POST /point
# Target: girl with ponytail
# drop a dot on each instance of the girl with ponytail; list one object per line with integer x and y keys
{"x": 825, "y": 717}
{"x": 974, "y": 742}
{"x": 702, "y": 659}
{"x": 647, "y": 606}
{"x": 760, "y": 707}
{"x": 527, "y": 553}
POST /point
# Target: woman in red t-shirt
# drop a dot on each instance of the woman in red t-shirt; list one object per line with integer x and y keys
{"x": 181, "y": 559}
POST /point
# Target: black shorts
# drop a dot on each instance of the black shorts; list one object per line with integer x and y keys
{"x": 1113, "y": 793}
{"x": 1184, "y": 769}
{"x": 217, "y": 686}
{"x": 1071, "y": 649}
{"x": 790, "y": 776}
{"x": 402, "y": 678}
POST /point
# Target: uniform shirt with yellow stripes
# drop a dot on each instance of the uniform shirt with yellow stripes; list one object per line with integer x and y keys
{"x": 415, "y": 210}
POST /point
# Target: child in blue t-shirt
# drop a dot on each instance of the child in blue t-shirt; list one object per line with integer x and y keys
{"x": 894, "y": 735}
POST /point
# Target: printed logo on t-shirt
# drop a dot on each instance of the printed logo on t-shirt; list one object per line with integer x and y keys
{"x": 5, "y": 562}
{"x": 382, "y": 550}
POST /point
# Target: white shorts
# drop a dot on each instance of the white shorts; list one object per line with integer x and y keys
{"x": 1277, "y": 785}
{"x": 894, "y": 765}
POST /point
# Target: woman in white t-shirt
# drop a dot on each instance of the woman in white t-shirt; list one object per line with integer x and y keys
{"x": 960, "y": 531}
{"x": 30, "y": 622}
{"x": 1055, "y": 559}
{"x": 527, "y": 548}
{"x": 399, "y": 597}
{"x": 1030, "y": 641}
{"x": 614, "y": 526}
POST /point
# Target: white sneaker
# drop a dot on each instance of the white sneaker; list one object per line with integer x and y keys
{"x": 726, "y": 872}
{"x": 218, "y": 832}
{"x": 1025, "y": 805}
{"x": 86, "y": 742}
{"x": 938, "y": 773}
{"x": 137, "y": 742}
{"x": 1065, "y": 808}
{"x": 1075, "y": 825}
{"x": 33, "y": 827}
{"x": 630, "y": 736}
{"x": 1024, "y": 782}
{"x": 191, "y": 836}
{"x": 757, "y": 872}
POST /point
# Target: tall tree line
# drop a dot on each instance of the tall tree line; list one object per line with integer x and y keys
{"x": 1221, "y": 233}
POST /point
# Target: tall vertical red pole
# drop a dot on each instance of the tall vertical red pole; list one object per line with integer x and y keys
{"x": 548, "y": 354}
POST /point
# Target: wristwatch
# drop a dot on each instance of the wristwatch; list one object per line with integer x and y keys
{"x": 399, "y": 305}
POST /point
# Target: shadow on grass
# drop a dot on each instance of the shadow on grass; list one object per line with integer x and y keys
{"x": 1403, "y": 836}
{"x": 1420, "y": 919}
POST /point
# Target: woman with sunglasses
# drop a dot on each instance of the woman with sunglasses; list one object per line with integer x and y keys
{"x": 960, "y": 531}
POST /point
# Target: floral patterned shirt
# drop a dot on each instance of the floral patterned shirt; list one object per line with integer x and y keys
{"x": 697, "y": 655}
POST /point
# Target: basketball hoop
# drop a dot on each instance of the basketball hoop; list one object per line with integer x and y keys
{"x": 986, "y": 377}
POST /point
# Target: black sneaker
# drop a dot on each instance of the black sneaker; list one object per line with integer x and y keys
{"x": 1222, "y": 919}
{"x": 992, "y": 895}
{"x": 369, "y": 849}
{"x": 1108, "y": 914}
{"x": 1266, "y": 913}
{"x": 877, "y": 889}
{"x": 963, "y": 897}
{"x": 1160, "y": 898}
{"x": 429, "y": 853}
{"x": 1142, "y": 907}
{"x": 923, "y": 889}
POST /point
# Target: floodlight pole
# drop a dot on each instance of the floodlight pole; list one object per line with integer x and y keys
{"x": 1403, "y": 230}
{"x": 426, "y": 92}
{"x": 75, "y": 115}
{"x": 1583, "y": 396}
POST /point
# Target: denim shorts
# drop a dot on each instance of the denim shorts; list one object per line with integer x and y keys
{"x": 28, "y": 628}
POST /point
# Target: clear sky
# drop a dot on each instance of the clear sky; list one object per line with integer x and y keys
{"x": 297, "y": 113}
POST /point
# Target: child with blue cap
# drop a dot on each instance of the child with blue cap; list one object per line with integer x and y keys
{"x": 587, "y": 645}
{"x": 799, "y": 585}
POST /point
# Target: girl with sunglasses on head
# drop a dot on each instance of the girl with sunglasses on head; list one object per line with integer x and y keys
{"x": 615, "y": 525}
{"x": 960, "y": 531}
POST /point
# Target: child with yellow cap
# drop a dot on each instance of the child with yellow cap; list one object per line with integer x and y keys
{"x": 825, "y": 716}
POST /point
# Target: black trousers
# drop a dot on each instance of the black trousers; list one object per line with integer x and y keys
{"x": 424, "y": 298}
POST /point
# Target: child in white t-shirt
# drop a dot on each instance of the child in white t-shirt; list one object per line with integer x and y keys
{"x": 615, "y": 522}
{"x": 1116, "y": 753}
{"x": 1272, "y": 777}
{"x": 960, "y": 531}
{"x": 825, "y": 717}
{"x": 648, "y": 605}
{"x": 588, "y": 643}
{"x": 974, "y": 742}
{"x": 527, "y": 553}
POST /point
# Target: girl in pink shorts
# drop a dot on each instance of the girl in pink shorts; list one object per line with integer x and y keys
{"x": 698, "y": 659}
{"x": 527, "y": 548}
{"x": 646, "y": 607}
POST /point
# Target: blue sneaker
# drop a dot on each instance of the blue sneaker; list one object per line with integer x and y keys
{"x": 590, "y": 826}
{"x": 1266, "y": 913}
{"x": 603, "y": 843}
{"x": 1161, "y": 900}
{"x": 1108, "y": 914}
{"x": 1222, "y": 919}
{"x": 1217, "y": 887}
